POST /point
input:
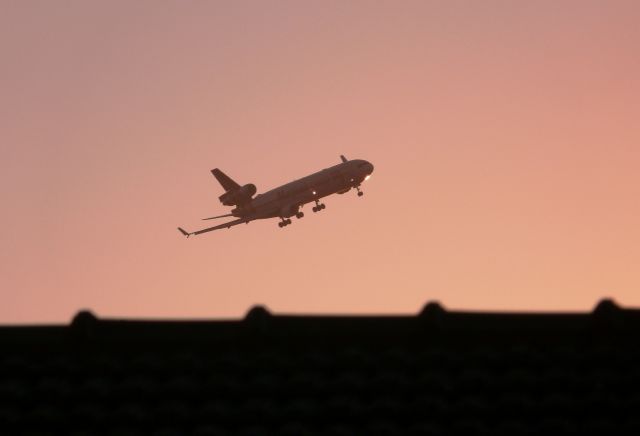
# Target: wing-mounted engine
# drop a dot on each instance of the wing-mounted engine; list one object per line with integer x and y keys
{"x": 238, "y": 196}
{"x": 289, "y": 210}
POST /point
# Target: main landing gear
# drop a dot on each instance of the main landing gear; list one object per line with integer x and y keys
{"x": 284, "y": 223}
{"x": 318, "y": 207}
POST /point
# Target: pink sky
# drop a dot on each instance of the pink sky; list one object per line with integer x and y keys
{"x": 505, "y": 137}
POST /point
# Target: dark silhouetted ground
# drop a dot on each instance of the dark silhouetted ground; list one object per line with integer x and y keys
{"x": 437, "y": 373}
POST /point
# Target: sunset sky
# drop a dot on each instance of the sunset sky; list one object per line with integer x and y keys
{"x": 505, "y": 137}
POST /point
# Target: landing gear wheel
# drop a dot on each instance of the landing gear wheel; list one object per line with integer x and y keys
{"x": 322, "y": 206}
{"x": 284, "y": 223}
{"x": 360, "y": 193}
{"x": 315, "y": 208}
{"x": 299, "y": 215}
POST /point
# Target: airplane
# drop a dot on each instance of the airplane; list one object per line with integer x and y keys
{"x": 285, "y": 201}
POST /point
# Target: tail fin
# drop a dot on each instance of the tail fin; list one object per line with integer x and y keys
{"x": 227, "y": 183}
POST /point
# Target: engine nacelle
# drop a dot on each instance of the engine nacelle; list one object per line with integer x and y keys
{"x": 289, "y": 211}
{"x": 238, "y": 196}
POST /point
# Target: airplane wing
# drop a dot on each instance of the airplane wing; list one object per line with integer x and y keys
{"x": 216, "y": 217}
{"x": 220, "y": 226}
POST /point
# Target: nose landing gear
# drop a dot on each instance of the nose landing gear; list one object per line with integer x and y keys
{"x": 360, "y": 193}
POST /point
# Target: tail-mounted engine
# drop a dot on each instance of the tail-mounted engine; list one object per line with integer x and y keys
{"x": 238, "y": 196}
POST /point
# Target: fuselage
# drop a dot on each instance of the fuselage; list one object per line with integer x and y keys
{"x": 284, "y": 201}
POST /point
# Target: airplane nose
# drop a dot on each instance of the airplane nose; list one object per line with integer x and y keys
{"x": 369, "y": 168}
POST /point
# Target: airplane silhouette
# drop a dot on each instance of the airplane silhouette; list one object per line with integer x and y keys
{"x": 285, "y": 201}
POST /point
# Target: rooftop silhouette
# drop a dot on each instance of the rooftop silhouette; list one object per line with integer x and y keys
{"x": 438, "y": 372}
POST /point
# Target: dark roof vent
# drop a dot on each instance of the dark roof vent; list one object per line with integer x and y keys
{"x": 606, "y": 306}
{"x": 257, "y": 313}
{"x": 257, "y": 318}
{"x": 432, "y": 309}
{"x": 432, "y": 314}
{"x": 607, "y": 315}
{"x": 84, "y": 324}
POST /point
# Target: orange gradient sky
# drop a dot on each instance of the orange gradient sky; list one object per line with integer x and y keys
{"x": 505, "y": 137}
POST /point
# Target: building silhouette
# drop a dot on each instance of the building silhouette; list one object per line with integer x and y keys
{"x": 437, "y": 373}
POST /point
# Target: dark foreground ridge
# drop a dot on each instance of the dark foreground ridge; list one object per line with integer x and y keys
{"x": 437, "y": 373}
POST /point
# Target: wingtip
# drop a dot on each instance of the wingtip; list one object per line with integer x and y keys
{"x": 184, "y": 232}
